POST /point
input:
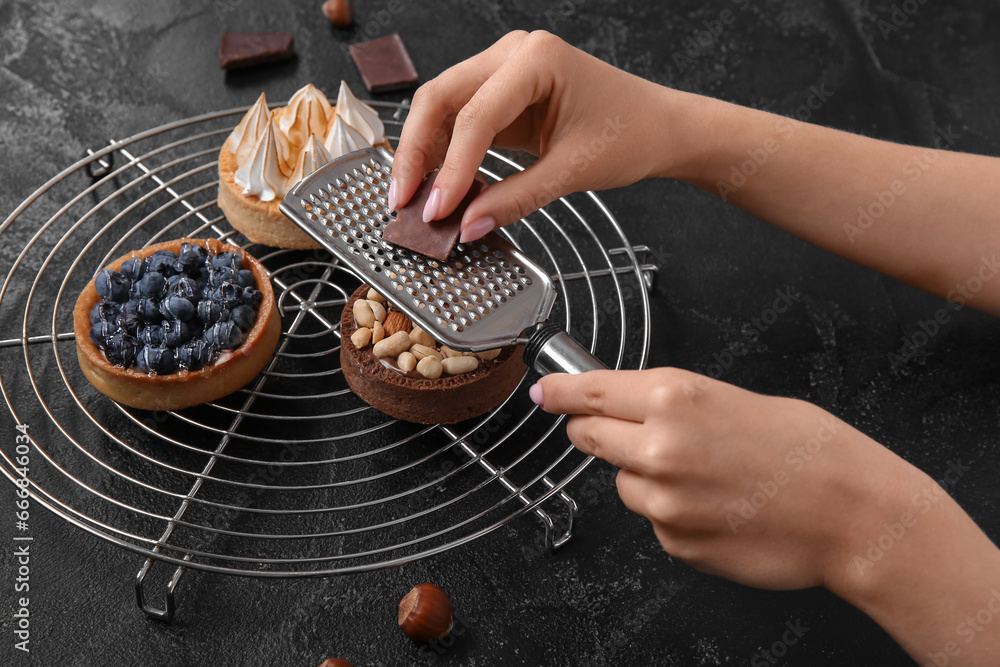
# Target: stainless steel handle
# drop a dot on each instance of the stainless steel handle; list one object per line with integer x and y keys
{"x": 552, "y": 350}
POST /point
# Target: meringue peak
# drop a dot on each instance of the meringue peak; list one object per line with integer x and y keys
{"x": 312, "y": 156}
{"x": 261, "y": 174}
{"x": 342, "y": 139}
{"x": 244, "y": 138}
{"x": 307, "y": 113}
{"x": 360, "y": 116}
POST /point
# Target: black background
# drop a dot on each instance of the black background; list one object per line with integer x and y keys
{"x": 74, "y": 74}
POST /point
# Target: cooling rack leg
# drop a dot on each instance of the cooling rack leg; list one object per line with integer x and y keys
{"x": 551, "y": 541}
{"x": 167, "y": 613}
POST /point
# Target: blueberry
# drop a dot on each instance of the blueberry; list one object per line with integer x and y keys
{"x": 221, "y": 276}
{"x": 177, "y": 308}
{"x": 121, "y": 349}
{"x": 228, "y": 295}
{"x": 158, "y": 360}
{"x": 197, "y": 250}
{"x": 104, "y": 310}
{"x": 133, "y": 268}
{"x": 112, "y": 285}
{"x": 209, "y": 312}
{"x": 149, "y": 310}
{"x": 101, "y": 331}
{"x": 189, "y": 261}
{"x": 252, "y": 297}
{"x": 224, "y": 335}
{"x": 245, "y": 278}
{"x": 128, "y": 317}
{"x": 151, "y": 335}
{"x": 184, "y": 287}
{"x": 194, "y": 355}
{"x": 230, "y": 260}
{"x": 175, "y": 332}
{"x": 161, "y": 261}
{"x": 152, "y": 284}
{"x": 243, "y": 317}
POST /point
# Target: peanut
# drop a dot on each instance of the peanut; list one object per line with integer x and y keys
{"x": 418, "y": 335}
{"x": 489, "y": 355}
{"x": 430, "y": 368}
{"x": 378, "y": 332}
{"x": 375, "y": 296}
{"x": 459, "y": 365}
{"x": 393, "y": 346}
{"x": 378, "y": 310}
{"x": 406, "y": 362}
{"x": 361, "y": 337}
{"x": 421, "y": 351}
{"x": 447, "y": 352}
{"x": 363, "y": 315}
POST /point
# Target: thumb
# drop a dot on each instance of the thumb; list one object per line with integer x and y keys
{"x": 513, "y": 198}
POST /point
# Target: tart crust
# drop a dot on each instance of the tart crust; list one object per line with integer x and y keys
{"x": 446, "y": 400}
{"x": 183, "y": 388}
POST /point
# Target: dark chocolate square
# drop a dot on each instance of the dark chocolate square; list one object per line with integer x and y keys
{"x": 436, "y": 238}
{"x": 384, "y": 64}
{"x": 244, "y": 49}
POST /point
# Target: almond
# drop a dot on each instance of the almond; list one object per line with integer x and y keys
{"x": 396, "y": 322}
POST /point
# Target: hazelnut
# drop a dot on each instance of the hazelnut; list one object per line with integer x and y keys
{"x": 339, "y": 12}
{"x": 336, "y": 662}
{"x": 425, "y": 613}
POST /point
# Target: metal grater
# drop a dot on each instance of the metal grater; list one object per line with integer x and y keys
{"x": 487, "y": 294}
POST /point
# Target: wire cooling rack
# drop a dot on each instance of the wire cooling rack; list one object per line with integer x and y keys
{"x": 292, "y": 475}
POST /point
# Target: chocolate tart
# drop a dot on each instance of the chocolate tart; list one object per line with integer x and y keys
{"x": 412, "y": 398}
{"x": 230, "y": 371}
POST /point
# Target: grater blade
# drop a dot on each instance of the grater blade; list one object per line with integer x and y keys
{"x": 484, "y": 296}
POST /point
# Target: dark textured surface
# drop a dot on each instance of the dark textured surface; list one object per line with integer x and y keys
{"x": 74, "y": 74}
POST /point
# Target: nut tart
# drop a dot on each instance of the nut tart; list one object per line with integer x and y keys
{"x": 400, "y": 370}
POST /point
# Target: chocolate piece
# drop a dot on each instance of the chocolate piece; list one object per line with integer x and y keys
{"x": 245, "y": 49}
{"x": 436, "y": 238}
{"x": 384, "y": 64}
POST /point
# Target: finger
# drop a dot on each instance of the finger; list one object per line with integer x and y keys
{"x": 500, "y": 101}
{"x": 516, "y": 196}
{"x": 616, "y": 441}
{"x": 423, "y": 142}
{"x": 608, "y": 393}
{"x": 638, "y": 492}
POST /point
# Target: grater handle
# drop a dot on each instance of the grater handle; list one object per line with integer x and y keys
{"x": 552, "y": 350}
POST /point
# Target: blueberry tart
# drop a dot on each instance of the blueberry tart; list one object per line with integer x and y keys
{"x": 176, "y": 324}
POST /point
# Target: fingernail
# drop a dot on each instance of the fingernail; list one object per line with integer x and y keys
{"x": 477, "y": 229}
{"x": 433, "y": 205}
{"x": 392, "y": 196}
{"x": 536, "y": 393}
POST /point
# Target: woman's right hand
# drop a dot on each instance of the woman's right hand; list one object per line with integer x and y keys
{"x": 593, "y": 127}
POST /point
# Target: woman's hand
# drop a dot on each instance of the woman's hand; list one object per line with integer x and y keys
{"x": 592, "y": 126}
{"x": 758, "y": 489}
{"x": 778, "y": 493}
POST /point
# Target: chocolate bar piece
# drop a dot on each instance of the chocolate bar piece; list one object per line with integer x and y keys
{"x": 436, "y": 238}
{"x": 384, "y": 64}
{"x": 245, "y": 49}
